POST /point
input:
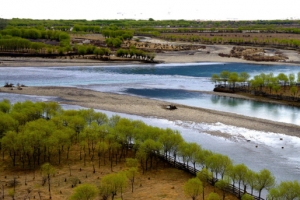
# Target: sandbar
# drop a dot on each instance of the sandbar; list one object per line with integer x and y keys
{"x": 155, "y": 108}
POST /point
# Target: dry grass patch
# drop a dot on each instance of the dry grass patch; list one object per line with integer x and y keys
{"x": 165, "y": 182}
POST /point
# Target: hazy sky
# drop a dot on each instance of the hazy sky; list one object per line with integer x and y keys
{"x": 156, "y": 9}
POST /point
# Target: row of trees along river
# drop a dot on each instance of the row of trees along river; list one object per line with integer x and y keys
{"x": 35, "y": 133}
{"x": 41, "y": 42}
{"x": 281, "y": 86}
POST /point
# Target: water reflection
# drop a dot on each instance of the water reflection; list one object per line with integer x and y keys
{"x": 226, "y": 101}
{"x": 170, "y": 82}
{"x": 235, "y": 145}
{"x": 270, "y": 111}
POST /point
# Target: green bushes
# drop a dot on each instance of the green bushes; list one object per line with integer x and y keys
{"x": 114, "y": 42}
{"x": 115, "y": 37}
{"x": 85, "y": 28}
{"x": 135, "y": 53}
{"x": 34, "y": 33}
{"x": 101, "y": 52}
{"x": 14, "y": 39}
{"x": 123, "y": 34}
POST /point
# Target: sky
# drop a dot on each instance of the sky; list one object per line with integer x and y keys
{"x": 156, "y": 9}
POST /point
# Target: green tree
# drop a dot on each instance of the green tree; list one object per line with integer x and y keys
{"x": 271, "y": 81}
{"x": 258, "y": 81}
{"x": 288, "y": 190}
{"x": 233, "y": 78}
{"x": 112, "y": 184}
{"x": 244, "y": 77}
{"x": 294, "y": 90}
{"x": 85, "y": 192}
{"x": 219, "y": 164}
{"x": 298, "y": 77}
{"x": 264, "y": 180}
{"x": 215, "y": 78}
{"x": 176, "y": 139}
{"x": 224, "y": 75}
{"x": 102, "y": 148}
{"x": 240, "y": 172}
{"x": 251, "y": 179}
{"x": 204, "y": 176}
{"x": 10, "y": 143}
{"x": 193, "y": 188}
{"x": 292, "y": 79}
{"x": 132, "y": 162}
{"x": 283, "y": 78}
{"x": 213, "y": 196}
{"x": 131, "y": 173}
{"x": 7, "y": 123}
{"x": 48, "y": 170}
{"x": 223, "y": 185}
{"x": 5, "y": 106}
{"x": 247, "y": 197}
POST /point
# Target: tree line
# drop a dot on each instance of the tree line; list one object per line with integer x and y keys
{"x": 115, "y": 36}
{"x": 34, "y": 133}
{"x": 261, "y": 83}
{"x": 132, "y": 52}
{"x": 24, "y": 40}
{"x": 29, "y": 41}
{"x": 233, "y": 40}
{"x": 36, "y": 33}
{"x": 131, "y": 23}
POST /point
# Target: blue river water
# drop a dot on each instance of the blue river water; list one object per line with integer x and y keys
{"x": 184, "y": 84}
{"x": 178, "y": 83}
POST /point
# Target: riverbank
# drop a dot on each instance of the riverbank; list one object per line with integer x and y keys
{"x": 57, "y": 62}
{"x": 202, "y": 55}
{"x": 154, "y": 108}
{"x": 209, "y": 54}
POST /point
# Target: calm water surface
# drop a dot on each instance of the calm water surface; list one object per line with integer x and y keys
{"x": 183, "y": 83}
{"x": 178, "y": 83}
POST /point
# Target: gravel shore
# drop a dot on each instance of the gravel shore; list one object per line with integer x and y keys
{"x": 154, "y": 108}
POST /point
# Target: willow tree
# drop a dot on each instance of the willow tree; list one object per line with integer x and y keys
{"x": 239, "y": 172}
{"x": 48, "y": 170}
{"x": 223, "y": 185}
{"x": 264, "y": 180}
{"x": 233, "y": 78}
{"x": 85, "y": 192}
{"x": 288, "y": 190}
{"x": 111, "y": 184}
{"x": 193, "y": 188}
{"x": 204, "y": 176}
{"x": 224, "y": 75}
{"x": 219, "y": 164}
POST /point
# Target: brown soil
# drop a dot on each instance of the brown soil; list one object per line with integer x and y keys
{"x": 88, "y": 36}
{"x": 164, "y": 182}
{"x": 255, "y": 54}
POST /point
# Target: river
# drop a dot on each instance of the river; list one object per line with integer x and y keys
{"x": 184, "y": 84}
